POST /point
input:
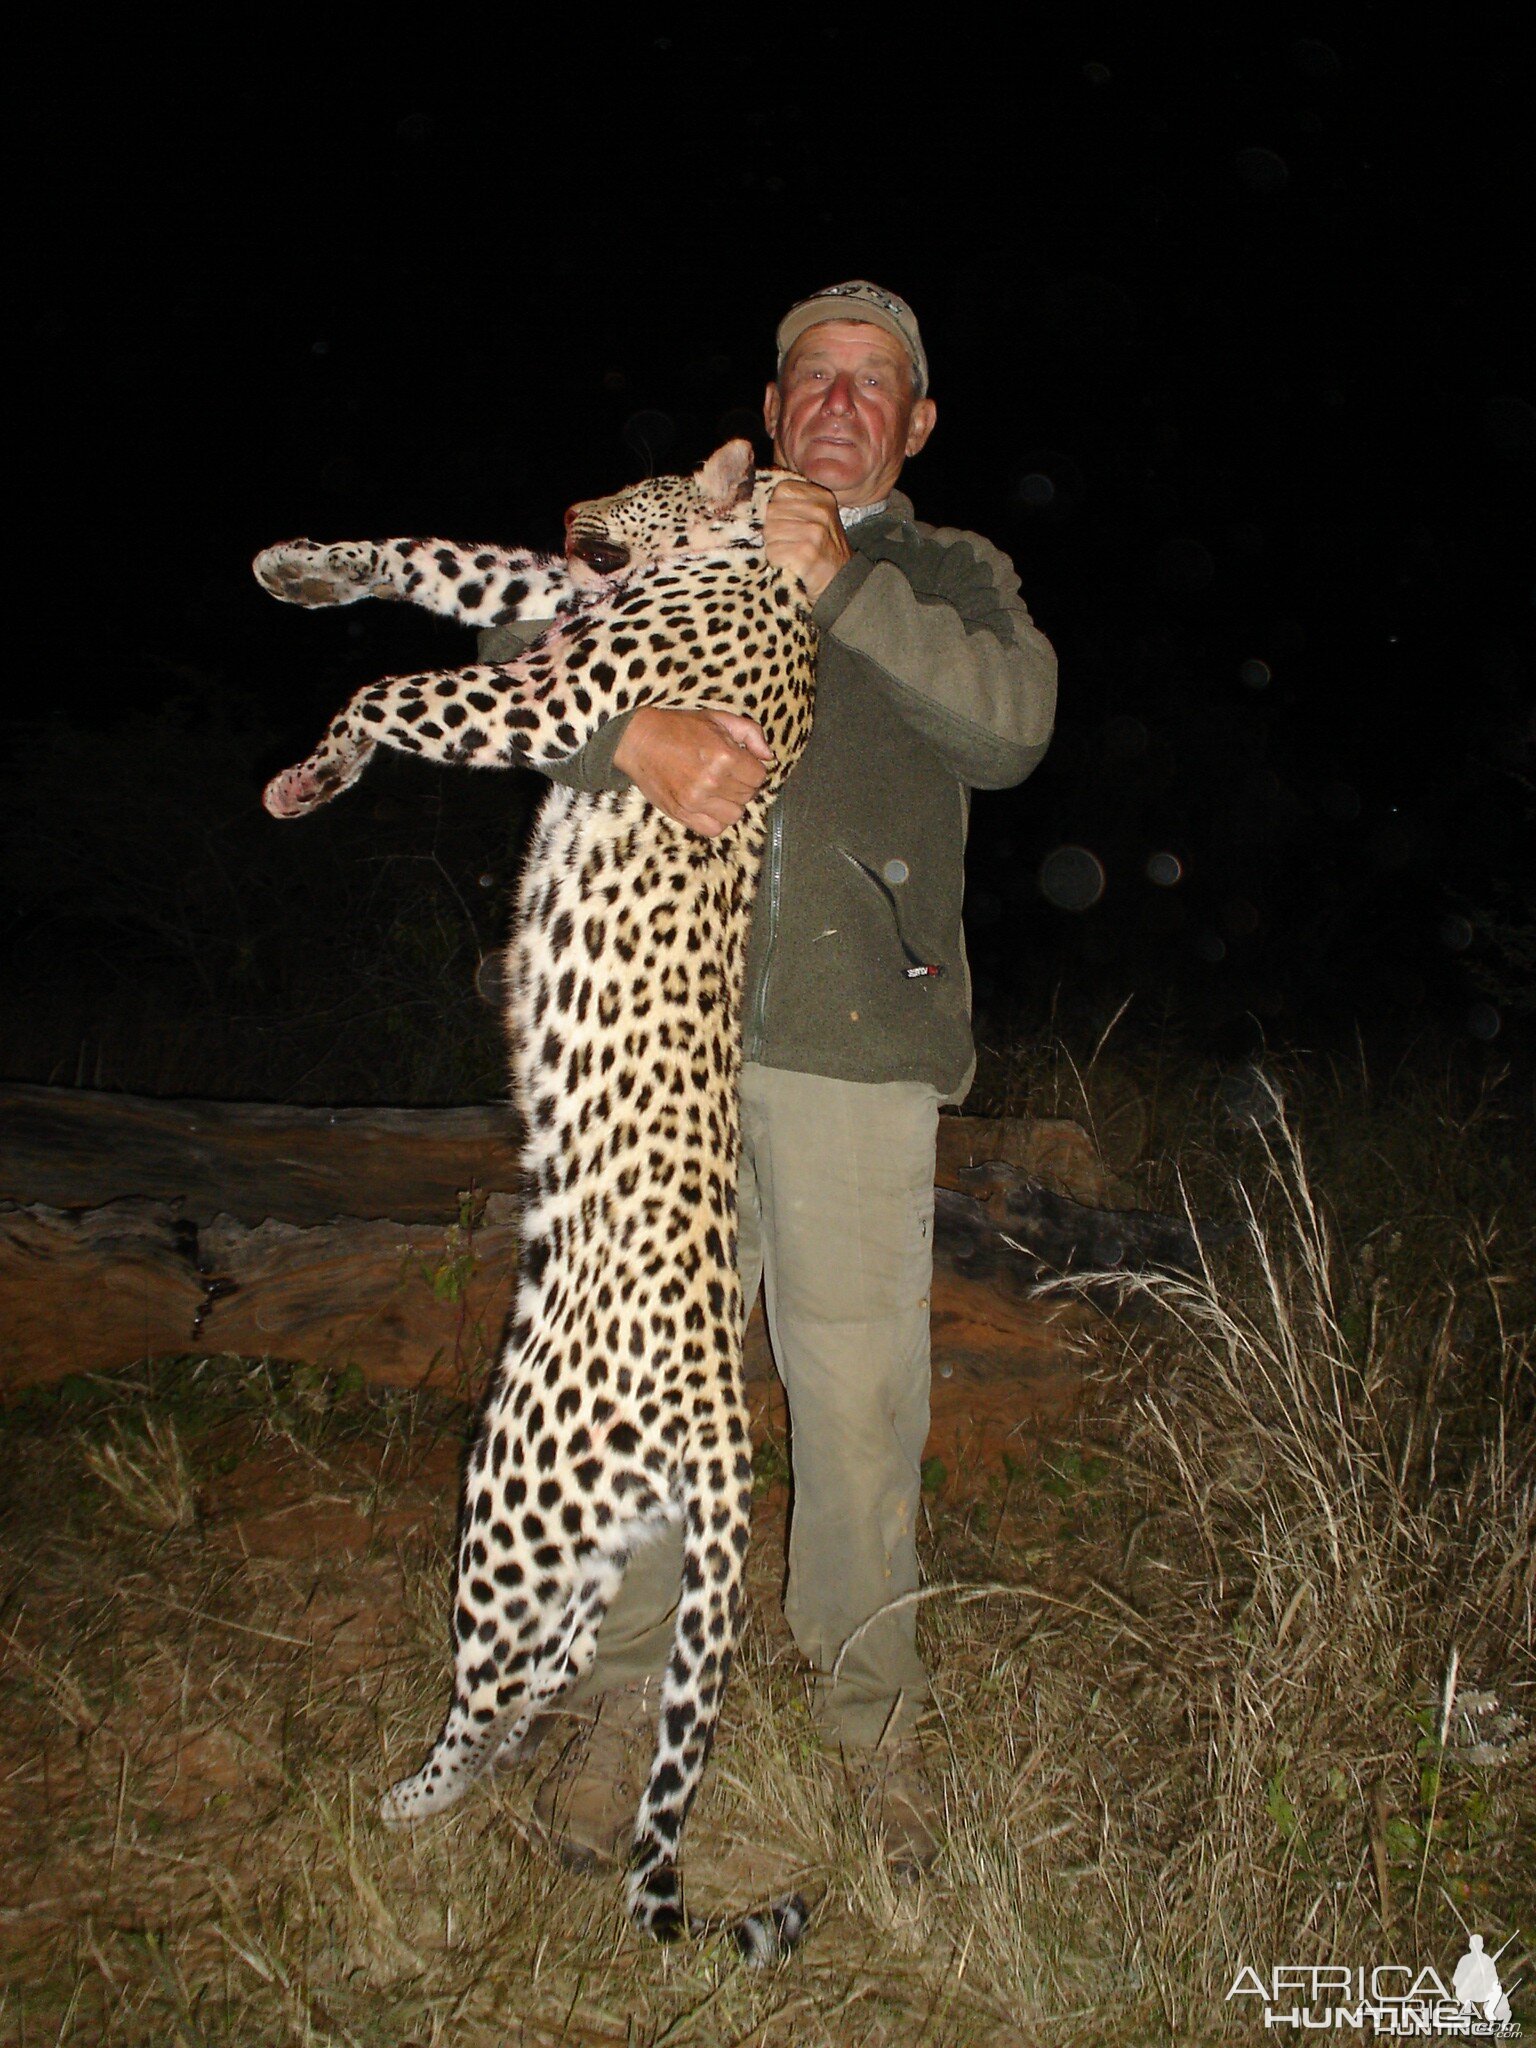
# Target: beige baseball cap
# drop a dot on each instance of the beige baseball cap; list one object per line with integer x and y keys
{"x": 858, "y": 300}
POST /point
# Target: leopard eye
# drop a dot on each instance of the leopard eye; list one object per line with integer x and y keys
{"x": 606, "y": 557}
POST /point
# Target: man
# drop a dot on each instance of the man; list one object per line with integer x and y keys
{"x": 931, "y": 681}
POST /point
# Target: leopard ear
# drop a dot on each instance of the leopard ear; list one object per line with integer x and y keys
{"x": 726, "y": 478}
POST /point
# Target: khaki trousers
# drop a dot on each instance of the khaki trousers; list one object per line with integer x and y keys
{"x": 837, "y": 1223}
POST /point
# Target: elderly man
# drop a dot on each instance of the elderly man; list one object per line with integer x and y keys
{"x": 931, "y": 681}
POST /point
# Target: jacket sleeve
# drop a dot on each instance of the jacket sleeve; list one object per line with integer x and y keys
{"x": 592, "y": 768}
{"x": 942, "y": 623}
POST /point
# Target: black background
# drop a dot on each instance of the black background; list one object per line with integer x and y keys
{"x": 1230, "y": 346}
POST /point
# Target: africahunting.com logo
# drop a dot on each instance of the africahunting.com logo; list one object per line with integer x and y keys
{"x": 1384, "y": 1998}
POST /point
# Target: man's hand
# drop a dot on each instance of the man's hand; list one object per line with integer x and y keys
{"x": 802, "y": 533}
{"x": 700, "y": 767}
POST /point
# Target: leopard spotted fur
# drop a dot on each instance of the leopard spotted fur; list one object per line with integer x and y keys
{"x": 617, "y": 1400}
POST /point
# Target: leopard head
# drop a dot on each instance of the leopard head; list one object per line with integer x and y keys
{"x": 666, "y": 515}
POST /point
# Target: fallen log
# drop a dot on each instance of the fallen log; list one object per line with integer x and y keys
{"x": 93, "y": 1290}
{"x": 996, "y": 1224}
{"x": 78, "y": 1148}
{"x": 385, "y": 1238}
{"x": 406, "y": 1302}
{"x": 81, "y": 1293}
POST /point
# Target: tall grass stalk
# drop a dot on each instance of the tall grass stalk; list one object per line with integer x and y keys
{"x": 1329, "y": 1573}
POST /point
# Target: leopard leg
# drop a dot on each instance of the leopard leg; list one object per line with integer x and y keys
{"x": 472, "y": 715}
{"x": 716, "y": 1524}
{"x": 480, "y": 586}
{"x": 516, "y": 1656}
{"x": 482, "y": 716}
{"x": 525, "y": 1626}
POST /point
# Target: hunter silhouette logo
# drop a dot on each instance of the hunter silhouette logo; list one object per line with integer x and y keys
{"x": 1476, "y": 1982}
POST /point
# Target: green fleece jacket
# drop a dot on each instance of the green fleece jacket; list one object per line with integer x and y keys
{"x": 931, "y": 681}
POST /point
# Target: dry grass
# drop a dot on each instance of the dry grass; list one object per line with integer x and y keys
{"x": 1240, "y": 1674}
{"x": 1332, "y": 1568}
{"x": 147, "y": 1472}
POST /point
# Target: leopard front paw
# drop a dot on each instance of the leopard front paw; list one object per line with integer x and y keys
{"x": 314, "y": 782}
{"x": 318, "y": 573}
{"x": 294, "y": 792}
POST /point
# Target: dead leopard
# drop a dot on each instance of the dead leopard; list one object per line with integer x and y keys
{"x": 617, "y": 1400}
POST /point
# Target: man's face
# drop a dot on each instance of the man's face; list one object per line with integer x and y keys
{"x": 843, "y": 413}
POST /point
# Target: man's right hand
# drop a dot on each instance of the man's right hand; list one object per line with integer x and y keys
{"x": 700, "y": 767}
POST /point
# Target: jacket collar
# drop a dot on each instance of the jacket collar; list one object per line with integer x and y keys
{"x": 892, "y": 516}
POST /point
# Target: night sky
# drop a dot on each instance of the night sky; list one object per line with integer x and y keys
{"x": 1229, "y": 344}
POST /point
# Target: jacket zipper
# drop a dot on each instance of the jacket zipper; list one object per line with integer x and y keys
{"x": 770, "y": 908}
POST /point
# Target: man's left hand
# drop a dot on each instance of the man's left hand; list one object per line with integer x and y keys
{"x": 802, "y": 533}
